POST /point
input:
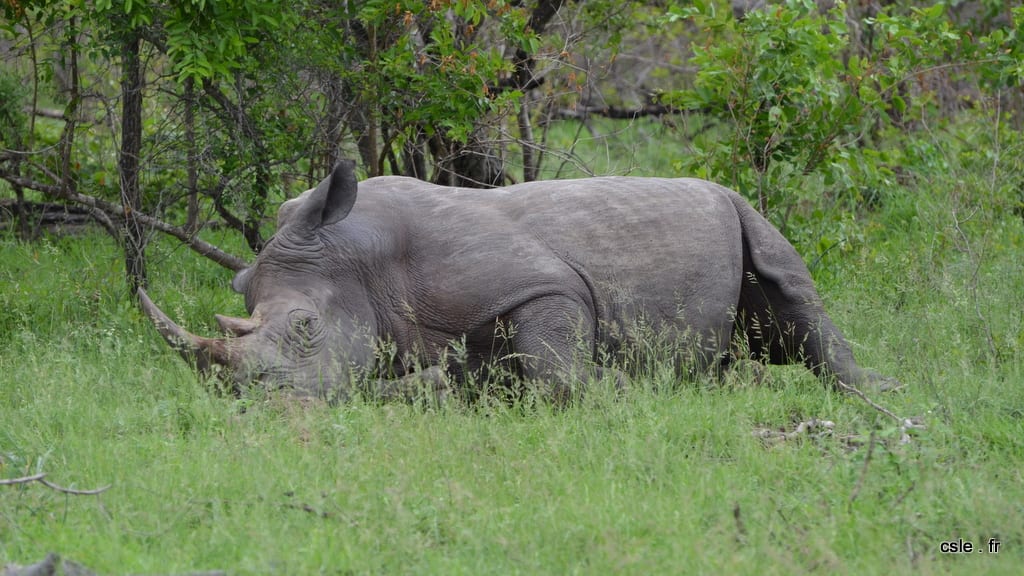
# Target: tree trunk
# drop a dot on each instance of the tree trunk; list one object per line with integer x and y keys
{"x": 128, "y": 162}
{"x": 526, "y": 81}
{"x": 26, "y": 228}
{"x": 531, "y": 164}
{"x": 332, "y": 130}
{"x": 192, "y": 213}
{"x": 67, "y": 137}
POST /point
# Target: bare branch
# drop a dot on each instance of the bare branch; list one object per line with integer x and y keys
{"x": 583, "y": 112}
{"x": 904, "y": 423}
{"x": 31, "y": 184}
{"x": 22, "y": 480}
{"x": 72, "y": 491}
{"x": 199, "y": 246}
{"x": 45, "y": 112}
{"x": 41, "y": 478}
{"x": 855, "y": 391}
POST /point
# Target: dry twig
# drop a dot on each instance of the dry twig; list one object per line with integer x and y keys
{"x": 814, "y": 428}
{"x": 41, "y": 478}
{"x": 904, "y": 423}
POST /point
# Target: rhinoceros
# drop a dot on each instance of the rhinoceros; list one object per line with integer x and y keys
{"x": 394, "y": 281}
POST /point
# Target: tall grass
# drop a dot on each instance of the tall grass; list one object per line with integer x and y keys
{"x": 665, "y": 479}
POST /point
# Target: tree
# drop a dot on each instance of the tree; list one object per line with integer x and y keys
{"x": 128, "y": 159}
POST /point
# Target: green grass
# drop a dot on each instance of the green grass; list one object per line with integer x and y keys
{"x": 667, "y": 479}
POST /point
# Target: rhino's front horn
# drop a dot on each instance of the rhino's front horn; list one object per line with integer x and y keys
{"x": 204, "y": 352}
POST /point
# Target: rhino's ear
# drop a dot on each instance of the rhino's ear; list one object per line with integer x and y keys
{"x": 331, "y": 200}
{"x": 240, "y": 283}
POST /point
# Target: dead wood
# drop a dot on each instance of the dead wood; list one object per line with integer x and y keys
{"x": 905, "y": 424}
{"x": 100, "y": 208}
{"x": 41, "y": 478}
{"x": 53, "y": 565}
{"x": 813, "y": 428}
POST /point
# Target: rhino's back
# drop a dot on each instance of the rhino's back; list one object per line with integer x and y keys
{"x": 607, "y": 215}
{"x": 630, "y": 223}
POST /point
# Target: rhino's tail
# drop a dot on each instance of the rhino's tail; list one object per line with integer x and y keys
{"x": 780, "y": 311}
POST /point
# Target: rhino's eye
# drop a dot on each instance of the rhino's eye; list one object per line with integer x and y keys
{"x": 305, "y": 332}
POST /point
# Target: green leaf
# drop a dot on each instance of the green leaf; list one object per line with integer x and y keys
{"x": 899, "y": 103}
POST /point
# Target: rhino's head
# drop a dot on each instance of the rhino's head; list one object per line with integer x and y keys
{"x": 310, "y": 319}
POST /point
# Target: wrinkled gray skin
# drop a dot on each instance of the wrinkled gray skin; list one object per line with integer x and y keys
{"x": 544, "y": 277}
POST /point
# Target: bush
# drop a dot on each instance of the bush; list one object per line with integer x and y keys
{"x": 798, "y": 91}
